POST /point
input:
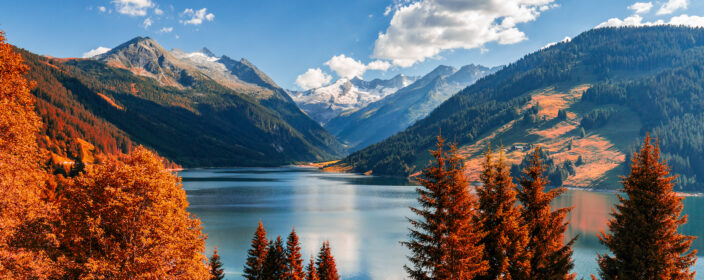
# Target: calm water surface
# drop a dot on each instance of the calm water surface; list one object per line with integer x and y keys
{"x": 363, "y": 217}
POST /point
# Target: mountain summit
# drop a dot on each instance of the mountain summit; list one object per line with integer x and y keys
{"x": 196, "y": 109}
{"x": 345, "y": 95}
{"x": 393, "y": 113}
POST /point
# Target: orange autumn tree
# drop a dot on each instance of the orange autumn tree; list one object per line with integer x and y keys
{"x": 643, "y": 237}
{"x": 445, "y": 240}
{"x": 550, "y": 257}
{"x": 24, "y": 231}
{"x": 126, "y": 218}
{"x": 256, "y": 255}
{"x": 327, "y": 269}
{"x": 312, "y": 272}
{"x": 506, "y": 235}
{"x": 294, "y": 261}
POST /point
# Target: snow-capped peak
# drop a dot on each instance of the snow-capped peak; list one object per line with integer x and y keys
{"x": 327, "y": 102}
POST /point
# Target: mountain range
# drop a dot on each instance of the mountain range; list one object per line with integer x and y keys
{"x": 379, "y": 120}
{"x": 193, "y": 108}
{"x": 587, "y": 102}
{"x": 345, "y": 95}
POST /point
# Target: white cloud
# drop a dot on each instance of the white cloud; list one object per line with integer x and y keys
{"x": 96, "y": 51}
{"x": 423, "y": 29}
{"x": 379, "y": 65}
{"x": 166, "y": 29}
{"x": 133, "y": 7}
{"x": 641, "y": 7}
{"x": 346, "y": 67}
{"x": 158, "y": 11}
{"x": 636, "y": 20}
{"x": 196, "y": 17}
{"x": 671, "y": 6}
{"x": 691, "y": 21}
{"x": 565, "y": 40}
{"x": 102, "y": 9}
{"x": 313, "y": 78}
{"x": 147, "y": 22}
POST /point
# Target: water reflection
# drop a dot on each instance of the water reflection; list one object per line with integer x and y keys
{"x": 363, "y": 217}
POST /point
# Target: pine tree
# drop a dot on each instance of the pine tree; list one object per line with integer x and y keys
{"x": 24, "y": 230}
{"x": 327, "y": 269}
{"x": 216, "y": 266}
{"x": 294, "y": 262}
{"x": 275, "y": 264}
{"x": 445, "y": 243}
{"x": 506, "y": 236}
{"x": 127, "y": 218}
{"x": 643, "y": 235}
{"x": 256, "y": 255}
{"x": 550, "y": 258}
{"x": 312, "y": 272}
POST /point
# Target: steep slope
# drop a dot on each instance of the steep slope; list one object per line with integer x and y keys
{"x": 648, "y": 78}
{"x": 383, "y": 118}
{"x": 196, "y": 123}
{"x": 345, "y": 95}
{"x": 244, "y": 77}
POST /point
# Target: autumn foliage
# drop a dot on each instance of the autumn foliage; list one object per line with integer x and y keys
{"x": 126, "y": 218}
{"x": 24, "y": 234}
{"x": 506, "y": 236}
{"x": 550, "y": 257}
{"x": 643, "y": 238}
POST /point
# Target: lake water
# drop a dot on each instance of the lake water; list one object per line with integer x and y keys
{"x": 363, "y": 217}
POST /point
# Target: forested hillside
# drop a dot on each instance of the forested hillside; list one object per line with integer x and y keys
{"x": 650, "y": 76}
{"x": 85, "y": 102}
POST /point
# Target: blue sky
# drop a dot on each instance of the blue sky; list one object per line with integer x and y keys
{"x": 329, "y": 39}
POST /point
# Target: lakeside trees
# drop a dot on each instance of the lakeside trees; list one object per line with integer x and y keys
{"x": 527, "y": 241}
{"x": 273, "y": 261}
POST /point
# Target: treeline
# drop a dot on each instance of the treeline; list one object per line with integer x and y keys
{"x": 273, "y": 261}
{"x": 490, "y": 235}
{"x": 596, "y": 55}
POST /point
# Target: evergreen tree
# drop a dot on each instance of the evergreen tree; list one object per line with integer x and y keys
{"x": 643, "y": 235}
{"x": 445, "y": 242}
{"x": 550, "y": 258}
{"x": 294, "y": 262}
{"x": 327, "y": 269}
{"x": 312, "y": 272}
{"x": 216, "y": 266}
{"x": 256, "y": 255}
{"x": 275, "y": 264}
{"x": 506, "y": 236}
